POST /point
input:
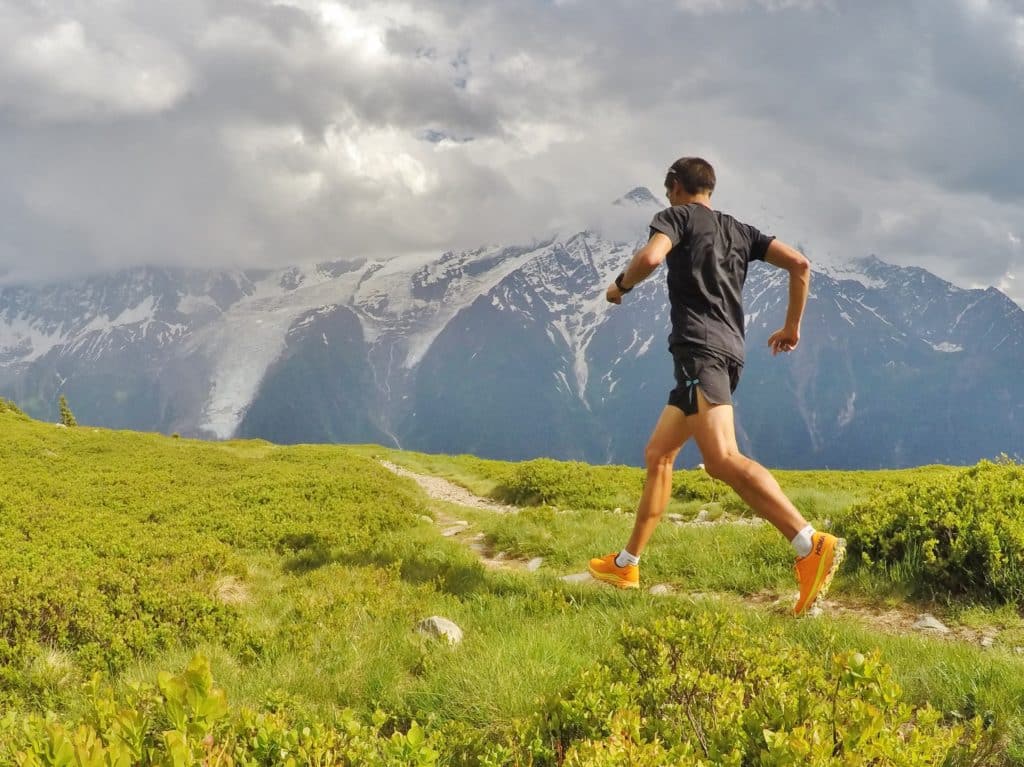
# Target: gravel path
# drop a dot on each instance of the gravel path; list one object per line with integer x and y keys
{"x": 443, "y": 490}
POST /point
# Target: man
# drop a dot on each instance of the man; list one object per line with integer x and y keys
{"x": 708, "y": 253}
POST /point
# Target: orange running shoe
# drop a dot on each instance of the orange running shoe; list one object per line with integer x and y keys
{"x": 605, "y": 569}
{"x": 815, "y": 571}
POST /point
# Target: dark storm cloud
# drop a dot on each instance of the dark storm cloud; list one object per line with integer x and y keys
{"x": 243, "y": 132}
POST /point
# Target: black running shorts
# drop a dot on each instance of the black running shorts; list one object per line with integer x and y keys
{"x": 715, "y": 374}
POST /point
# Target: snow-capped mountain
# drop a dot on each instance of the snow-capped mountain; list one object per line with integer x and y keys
{"x": 512, "y": 352}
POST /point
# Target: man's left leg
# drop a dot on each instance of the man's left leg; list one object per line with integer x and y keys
{"x": 669, "y": 436}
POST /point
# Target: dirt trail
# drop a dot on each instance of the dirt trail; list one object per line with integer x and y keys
{"x": 443, "y": 490}
{"x": 899, "y": 620}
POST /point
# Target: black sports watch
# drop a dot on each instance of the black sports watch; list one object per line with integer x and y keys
{"x": 619, "y": 285}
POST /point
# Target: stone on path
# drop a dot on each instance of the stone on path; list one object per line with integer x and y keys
{"x": 534, "y": 564}
{"x": 660, "y": 589}
{"x": 674, "y": 517}
{"x": 988, "y": 641}
{"x": 928, "y": 622}
{"x": 702, "y": 516}
{"x": 455, "y": 529}
{"x": 441, "y": 628}
{"x": 579, "y": 578}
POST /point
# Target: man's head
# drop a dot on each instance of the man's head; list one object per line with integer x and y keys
{"x": 689, "y": 178}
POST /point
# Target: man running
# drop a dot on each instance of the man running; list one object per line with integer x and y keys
{"x": 708, "y": 253}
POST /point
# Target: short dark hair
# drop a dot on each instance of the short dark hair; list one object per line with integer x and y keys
{"x": 694, "y": 173}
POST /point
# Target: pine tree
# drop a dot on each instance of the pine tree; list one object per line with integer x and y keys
{"x": 66, "y": 416}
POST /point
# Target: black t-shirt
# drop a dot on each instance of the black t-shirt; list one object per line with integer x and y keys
{"x": 707, "y": 267}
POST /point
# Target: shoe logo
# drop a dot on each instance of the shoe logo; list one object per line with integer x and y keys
{"x": 820, "y": 547}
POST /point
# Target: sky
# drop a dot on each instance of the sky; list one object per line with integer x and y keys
{"x": 237, "y": 133}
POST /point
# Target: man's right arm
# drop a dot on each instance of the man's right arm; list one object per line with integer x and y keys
{"x": 793, "y": 261}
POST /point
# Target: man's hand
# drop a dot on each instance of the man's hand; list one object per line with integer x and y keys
{"x": 613, "y": 294}
{"x": 785, "y": 340}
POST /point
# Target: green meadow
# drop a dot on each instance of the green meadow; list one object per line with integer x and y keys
{"x": 174, "y": 602}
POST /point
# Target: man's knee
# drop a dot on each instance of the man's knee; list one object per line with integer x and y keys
{"x": 727, "y": 468}
{"x": 656, "y": 456}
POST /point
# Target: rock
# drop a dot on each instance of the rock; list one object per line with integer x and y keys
{"x": 988, "y": 641}
{"x": 702, "y": 516}
{"x": 700, "y": 466}
{"x": 815, "y": 611}
{"x": 61, "y": 426}
{"x": 455, "y": 529}
{"x": 660, "y": 589}
{"x": 929, "y": 622}
{"x": 578, "y": 578}
{"x": 534, "y": 564}
{"x": 674, "y": 517}
{"x": 617, "y": 510}
{"x": 425, "y": 518}
{"x": 436, "y": 626}
{"x": 1019, "y": 650}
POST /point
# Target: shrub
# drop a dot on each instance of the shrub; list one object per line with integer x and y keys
{"x": 66, "y": 416}
{"x": 184, "y": 720}
{"x": 6, "y": 406}
{"x": 700, "y": 691}
{"x": 572, "y": 484}
{"x": 960, "y": 532}
{"x": 706, "y": 691}
{"x": 113, "y": 543}
{"x": 581, "y": 486}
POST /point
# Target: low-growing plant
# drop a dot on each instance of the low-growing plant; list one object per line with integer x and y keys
{"x": 6, "y": 406}
{"x": 696, "y": 690}
{"x": 957, "y": 533}
{"x": 703, "y": 690}
{"x": 185, "y": 720}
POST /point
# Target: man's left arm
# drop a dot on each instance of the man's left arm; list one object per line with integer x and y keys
{"x": 646, "y": 260}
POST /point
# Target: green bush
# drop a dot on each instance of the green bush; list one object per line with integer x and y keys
{"x": 575, "y": 485}
{"x": 184, "y": 720}
{"x": 705, "y": 691}
{"x": 699, "y": 690}
{"x": 572, "y": 484}
{"x": 67, "y": 418}
{"x": 112, "y": 543}
{"x": 6, "y": 406}
{"x": 954, "y": 533}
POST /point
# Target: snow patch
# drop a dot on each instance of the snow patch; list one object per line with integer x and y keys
{"x": 848, "y": 411}
{"x": 849, "y": 271}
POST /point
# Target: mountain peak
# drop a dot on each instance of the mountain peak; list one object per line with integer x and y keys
{"x": 640, "y": 196}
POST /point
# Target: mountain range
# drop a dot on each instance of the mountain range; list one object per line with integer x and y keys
{"x": 512, "y": 352}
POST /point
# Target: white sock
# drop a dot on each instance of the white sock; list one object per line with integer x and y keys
{"x": 625, "y": 558}
{"x": 802, "y": 542}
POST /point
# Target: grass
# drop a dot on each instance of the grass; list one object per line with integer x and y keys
{"x": 116, "y": 547}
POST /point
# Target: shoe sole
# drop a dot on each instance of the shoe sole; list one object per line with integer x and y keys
{"x": 614, "y": 580}
{"x": 838, "y": 555}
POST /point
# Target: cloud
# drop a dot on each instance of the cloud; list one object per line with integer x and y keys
{"x": 237, "y": 132}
